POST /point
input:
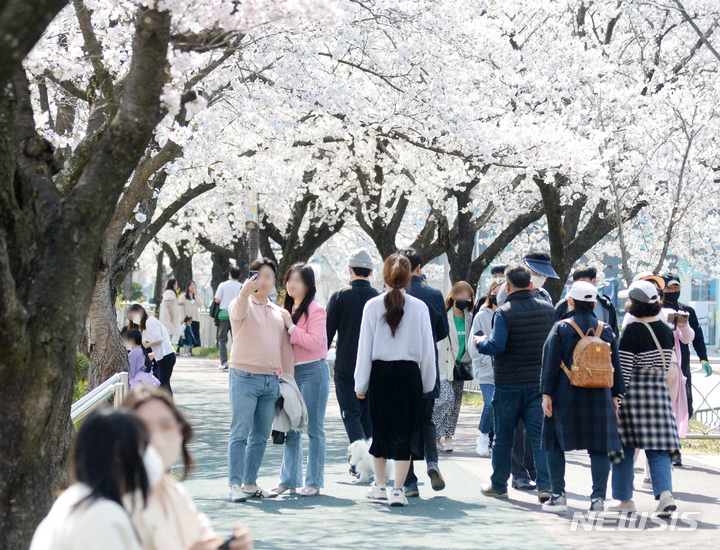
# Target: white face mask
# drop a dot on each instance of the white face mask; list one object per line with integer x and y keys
{"x": 128, "y": 346}
{"x": 169, "y": 447}
{"x": 153, "y": 466}
{"x": 538, "y": 281}
{"x": 136, "y": 318}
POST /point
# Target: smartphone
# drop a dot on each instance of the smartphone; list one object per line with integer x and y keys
{"x": 252, "y": 273}
{"x": 679, "y": 319}
{"x": 226, "y": 545}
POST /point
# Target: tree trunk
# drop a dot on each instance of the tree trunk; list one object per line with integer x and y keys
{"x": 159, "y": 279}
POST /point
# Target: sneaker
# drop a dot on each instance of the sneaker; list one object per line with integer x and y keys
{"x": 487, "y": 490}
{"x": 624, "y": 507}
{"x": 439, "y": 445}
{"x": 677, "y": 462}
{"x": 448, "y": 445}
{"x": 556, "y": 504}
{"x": 647, "y": 483}
{"x": 483, "y": 445}
{"x": 412, "y": 490}
{"x": 236, "y": 494}
{"x": 259, "y": 492}
{"x": 377, "y": 493}
{"x": 666, "y": 506}
{"x": 436, "y": 478}
{"x": 544, "y": 495}
{"x": 524, "y": 484}
{"x": 597, "y": 505}
{"x": 223, "y": 366}
{"x": 397, "y": 498}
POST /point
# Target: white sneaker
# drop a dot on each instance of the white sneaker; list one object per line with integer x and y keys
{"x": 377, "y": 493}
{"x": 447, "y": 444}
{"x": 259, "y": 492}
{"x": 666, "y": 506}
{"x": 556, "y": 504}
{"x": 483, "y": 445}
{"x": 236, "y": 494}
{"x": 398, "y": 498}
{"x": 624, "y": 507}
{"x": 224, "y": 366}
{"x": 439, "y": 445}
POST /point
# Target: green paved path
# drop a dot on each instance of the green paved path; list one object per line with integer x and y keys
{"x": 458, "y": 517}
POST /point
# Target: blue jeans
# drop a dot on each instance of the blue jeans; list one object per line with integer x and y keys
{"x": 624, "y": 473}
{"x": 313, "y": 379}
{"x": 486, "y": 419}
{"x": 511, "y": 403}
{"x": 599, "y": 469}
{"x": 252, "y": 406}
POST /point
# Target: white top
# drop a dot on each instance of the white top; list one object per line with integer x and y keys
{"x": 227, "y": 292}
{"x": 99, "y": 525}
{"x": 169, "y": 305}
{"x": 190, "y": 307}
{"x": 154, "y": 331}
{"x": 482, "y": 364}
{"x": 413, "y": 341}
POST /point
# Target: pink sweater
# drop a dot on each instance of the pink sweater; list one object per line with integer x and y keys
{"x": 260, "y": 341}
{"x": 309, "y": 336}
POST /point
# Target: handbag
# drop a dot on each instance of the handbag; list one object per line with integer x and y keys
{"x": 462, "y": 371}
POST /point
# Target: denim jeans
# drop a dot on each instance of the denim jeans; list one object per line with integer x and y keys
{"x": 313, "y": 379}
{"x": 511, "y": 403}
{"x": 486, "y": 419}
{"x": 355, "y": 412}
{"x": 223, "y": 328}
{"x": 252, "y": 407}
{"x": 599, "y": 470}
{"x": 624, "y": 473}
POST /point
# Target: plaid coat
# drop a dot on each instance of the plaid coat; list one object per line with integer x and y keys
{"x": 647, "y": 420}
{"x": 583, "y": 418}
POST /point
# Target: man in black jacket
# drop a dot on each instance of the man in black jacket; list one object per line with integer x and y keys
{"x": 604, "y": 310}
{"x": 344, "y": 315}
{"x": 520, "y": 329}
{"x": 425, "y": 438}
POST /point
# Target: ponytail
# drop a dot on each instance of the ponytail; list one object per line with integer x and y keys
{"x": 396, "y": 273}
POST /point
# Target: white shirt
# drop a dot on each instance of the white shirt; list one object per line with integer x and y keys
{"x": 98, "y": 525}
{"x": 413, "y": 341}
{"x": 154, "y": 331}
{"x": 227, "y": 292}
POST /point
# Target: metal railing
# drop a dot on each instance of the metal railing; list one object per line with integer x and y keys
{"x": 117, "y": 386}
{"x": 706, "y": 413}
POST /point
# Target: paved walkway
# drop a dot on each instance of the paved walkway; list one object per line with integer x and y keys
{"x": 458, "y": 517}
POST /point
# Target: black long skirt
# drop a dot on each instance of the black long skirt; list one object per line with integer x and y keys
{"x": 395, "y": 395}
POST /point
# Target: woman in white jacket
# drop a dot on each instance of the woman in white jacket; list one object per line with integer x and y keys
{"x": 451, "y": 350}
{"x": 483, "y": 368}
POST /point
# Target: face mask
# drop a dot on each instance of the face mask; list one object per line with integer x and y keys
{"x": 538, "y": 281}
{"x": 493, "y": 299}
{"x": 462, "y": 304}
{"x": 136, "y": 318}
{"x": 153, "y": 466}
{"x": 672, "y": 297}
{"x": 169, "y": 447}
{"x": 128, "y": 346}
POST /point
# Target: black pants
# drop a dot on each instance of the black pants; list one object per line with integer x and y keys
{"x": 523, "y": 462}
{"x": 355, "y": 412}
{"x": 196, "y": 331}
{"x": 165, "y": 370}
{"x": 428, "y": 439}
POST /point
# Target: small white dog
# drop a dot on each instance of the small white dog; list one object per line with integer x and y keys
{"x": 359, "y": 456}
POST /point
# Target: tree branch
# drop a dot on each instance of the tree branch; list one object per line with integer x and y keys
{"x": 94, "y": 49}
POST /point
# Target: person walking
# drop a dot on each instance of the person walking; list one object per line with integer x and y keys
{"x": 482, "y": 365}
{"x": 646, "y": 417}
{"x": 453, "y": 351}
{"x": 425, "y": 439}
{"x": 261, "y": 344}
{"x": 579, "y": 418}
{"x": 396, "y": 364}
{"x": 344, "y": 315}
{"x": 226, "y": 292}
{"x": 190, "y": 304}
{"x": 305, "y": 321}
{"x": 604, "y": 310}
{"x": 520, "y": 329}
{"x": 169, "y": 310}
{"x": 156, "y": 337}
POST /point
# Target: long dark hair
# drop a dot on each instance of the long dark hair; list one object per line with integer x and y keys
{"x": 171, "y": 284}
{"x": 137, "y": 308}
{"x": 459, "y": 287}
{"x": 144, "y": 393}
{"x": 107, "y": 455}
{"x": 307, "y": 274}
{"x": 396, "y": 273}
{"x": 187, "y": 291}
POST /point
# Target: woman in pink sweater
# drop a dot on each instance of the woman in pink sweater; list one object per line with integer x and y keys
{"x": 305, "y": 320}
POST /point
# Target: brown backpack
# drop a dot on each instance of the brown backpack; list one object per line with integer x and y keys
{"x": 592, "y": 360}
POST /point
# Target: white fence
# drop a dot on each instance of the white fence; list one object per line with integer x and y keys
{"x": 208, "y": 330}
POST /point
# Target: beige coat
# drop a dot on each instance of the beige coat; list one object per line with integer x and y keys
{"x": 449, "y": 347}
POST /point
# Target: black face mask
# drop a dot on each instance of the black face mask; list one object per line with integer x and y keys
{"x": 462, "y": 304}
{"x": 671, "y": 297}
{"x": 493, "y": 299}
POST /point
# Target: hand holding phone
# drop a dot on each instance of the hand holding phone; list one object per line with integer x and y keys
{"x": 251, "y": 284}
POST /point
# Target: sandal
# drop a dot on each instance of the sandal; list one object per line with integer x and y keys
{"x": 309, "y": 492}
{"x": 282, "y": 490}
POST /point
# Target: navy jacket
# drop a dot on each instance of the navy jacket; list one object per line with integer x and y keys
{"x": 433, "y": 298}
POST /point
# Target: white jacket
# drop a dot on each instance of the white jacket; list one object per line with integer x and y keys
{"x": 294, "y": 414}
{"x": 482, "y": 364}
{"x": 449, "y": 347}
